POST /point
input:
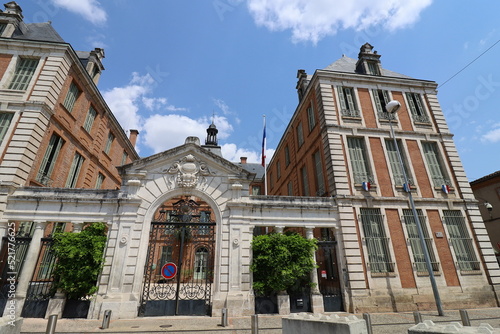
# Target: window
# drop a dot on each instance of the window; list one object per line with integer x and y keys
{"x": 359, "y": 162}
{"x": 287, "y": 156}
{"x": 200, "y": 263}
{"x": 381, "y": 98}
{"x": 100, "y": 180}
{"x": 414, "y": 239}
{"x": 25, "y": 69}
{"x": 397, "y": 172}
{"x": 49, "y": 160}
{"x": 320, "y": 182}
{"x": 124, "y": 158}
{"x": 89, "y": 119}
{"x": 165, "y": 257}
{"x": 290, "y": 188}
{"x": 74, "y": 171}
{"x": 377, "y": 244}
{"x": 204, "y": 218}
{"x": 347, "y": 100}
{"x": 2, "y": 28}
{"x": 373, "y": 68}
{"x": 300, "y": 135}
{"x": 111, "y": 137}
{"x": 5, "y": 120}
{"x": 460, "y": 240}
{"x": 435, "y": 165}
{"x": 278, "y": 169}
{"x": 256, "y": 190}
{"x": 417, "y": 108}
{"x": 71, "y": 96}
{"x": 305, "y": 181}
{"x": 310, "y": 117}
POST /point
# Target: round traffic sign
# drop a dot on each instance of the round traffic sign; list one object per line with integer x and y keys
{"x": 169, "y": 270}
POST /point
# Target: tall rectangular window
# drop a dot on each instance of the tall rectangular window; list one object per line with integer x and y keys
{"x": 373, "y": 68}
{"x": 111, "y": 138}
{"x": 381, "y": 98}
{"x": 99, "y": 181}
{"x": 290, "y": 188}
{"x": 377, "y": 244}
{"x": 287, "y": 156}
{"x": 71, "y": 96}
{"x": 310, "y": 117}
{"x": 435, "y": 164}
{"x": 417, "y": 108}
{"x": 74, "y": 171}
{"x": 5, "y": 120}
{"x": 165, "y": 257}
{"x": 25, "y": 68}
{"x": 397, "y": 172}
{"x": 256, "y": 190}
{"x": 359, "y": 161}
{"x": 320, "y": 182}
{"x": 414, "y": 239}
{"x": 49, "y": 160}
{"x": 124, "y": 158}
{"x": 278, "y": 169}
{"x": 300, "y": 135}
{"x": 347, "y": 99}
{"x": 89, "y": 119}
{"x": 305, "y": 181}
{"x": 460, "y": 240}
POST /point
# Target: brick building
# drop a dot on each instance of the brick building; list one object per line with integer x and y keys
{"x": 338, "y": 144}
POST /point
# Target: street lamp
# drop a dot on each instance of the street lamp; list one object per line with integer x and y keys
{"x": 392, "y": 107}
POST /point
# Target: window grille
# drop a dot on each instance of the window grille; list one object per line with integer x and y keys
{"x": 434, "y": 164}
{"x": 347, "y": 101}
{"x": 111, "y": 137}
{"x": 310, "y": 117}
{"x": 377, "y": 243}
{"x": 460, "y": 240}
{"x": 359, "y": 162}
{"x": 417, "y": 108}
{"x": 71, "y": 96}
{"x": 24, "y": 72}
{"x": 89, "y": 119}
{"x": 397, "y": 171}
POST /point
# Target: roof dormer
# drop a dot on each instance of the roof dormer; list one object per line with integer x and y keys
{"x": 11, "y": 19}
{"x": 368, "y": 61}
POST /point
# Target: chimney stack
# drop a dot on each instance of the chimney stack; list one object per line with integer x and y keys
{"x": 133, "y": 136}
{"x": 243, "y": 160}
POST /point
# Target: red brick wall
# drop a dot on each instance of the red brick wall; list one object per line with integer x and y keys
{"x": 383, "y": 177}
{"x": 367, "y": 108}
{"x": 403, "y": 113}
{"x": 423, "y": 181}
{"x": 398, "y": 239}
{"x": 4, "y": 63}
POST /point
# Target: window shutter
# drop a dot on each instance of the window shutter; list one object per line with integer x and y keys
{"x": 376, "y": 98}
{"x": 5, "y": 119}
{"x": 340, "y": 90}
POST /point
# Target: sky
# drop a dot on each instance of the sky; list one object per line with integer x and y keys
{"x": 172, "y": 67}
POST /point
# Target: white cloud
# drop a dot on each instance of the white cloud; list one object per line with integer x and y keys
{"x": 233, "y": 153}
{"x": 91, "y": 10}
{"x": 492, "y": 136}
{"x": 311, "y": 20}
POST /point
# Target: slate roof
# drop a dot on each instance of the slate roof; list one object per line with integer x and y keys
{"x": 348, "y": 65}
{"x": 252, "y": 168}
{"x": 39, "y": 32}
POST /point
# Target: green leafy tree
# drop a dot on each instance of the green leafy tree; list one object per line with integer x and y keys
{"x": 280, "y": 261}
{"x": 79, "y": 260}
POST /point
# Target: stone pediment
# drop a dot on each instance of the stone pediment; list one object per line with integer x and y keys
{"x": 185, "y": 166}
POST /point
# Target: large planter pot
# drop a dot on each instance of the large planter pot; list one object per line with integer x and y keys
{"x": 266, "y": 304}
{"x": 76, "y": 309}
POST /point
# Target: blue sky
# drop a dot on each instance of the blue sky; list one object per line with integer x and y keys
{"x": 170, "y": 65}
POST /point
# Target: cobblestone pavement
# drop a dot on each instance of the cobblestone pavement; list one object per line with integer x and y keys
{"x": 382, "y": 323}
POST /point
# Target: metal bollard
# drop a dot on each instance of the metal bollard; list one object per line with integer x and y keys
{"x": 255, "y": 324}
{"x": 224, "y": 322}
{"x": 106, "y": 319}
{"x": 368, "y": 321}
{"x": 51, "y": 325}
{"x": 465, "y": 317}
{"x": 418, "y": 317}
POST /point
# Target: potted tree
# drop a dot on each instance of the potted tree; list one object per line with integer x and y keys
{"x": 281, "y": 263}
{"x": 79, "y": 262}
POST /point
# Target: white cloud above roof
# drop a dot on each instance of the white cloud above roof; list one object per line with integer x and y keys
{"x": 91, "y": 10}
{"x": 311, "y": 20}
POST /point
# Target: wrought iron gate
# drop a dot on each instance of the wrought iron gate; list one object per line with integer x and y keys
{"x": 184, "y": 239}
{"x": 328, "y": 275}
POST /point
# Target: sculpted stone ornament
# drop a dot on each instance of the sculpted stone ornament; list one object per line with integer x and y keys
{"x": 188, "y": 171}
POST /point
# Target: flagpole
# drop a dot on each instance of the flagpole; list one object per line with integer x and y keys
{"x": 264, "y": 155}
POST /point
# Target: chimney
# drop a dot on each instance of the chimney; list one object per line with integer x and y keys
{"x": 243, "y": 160}
{"x": 133, "y": 136}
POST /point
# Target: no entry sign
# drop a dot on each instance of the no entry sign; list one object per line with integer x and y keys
{"x": 169, "y": 270}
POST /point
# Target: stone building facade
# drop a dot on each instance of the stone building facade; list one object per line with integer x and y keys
{"x": 338, "y": 144}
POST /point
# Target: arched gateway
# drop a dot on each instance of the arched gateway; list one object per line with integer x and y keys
{"x": 179, "y": 234}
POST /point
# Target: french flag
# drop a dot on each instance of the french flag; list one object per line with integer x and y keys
{"x": 366, "y": 186}
{"x": 264, "y": 146}
{"x": 445, "y": 188}
{"x": 406, "y": 187}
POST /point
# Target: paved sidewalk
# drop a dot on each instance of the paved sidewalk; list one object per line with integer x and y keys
{"x": 382, "y": 323}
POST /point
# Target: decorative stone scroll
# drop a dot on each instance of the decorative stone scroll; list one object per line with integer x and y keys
{"x": 187, "y": 172}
